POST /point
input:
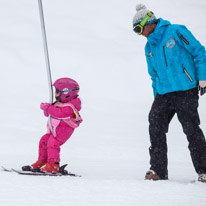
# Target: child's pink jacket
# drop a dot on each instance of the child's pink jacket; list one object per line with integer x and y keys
{"x": 61, "y": 110}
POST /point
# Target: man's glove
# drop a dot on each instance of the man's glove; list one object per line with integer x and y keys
{"x": 202, "y": 87}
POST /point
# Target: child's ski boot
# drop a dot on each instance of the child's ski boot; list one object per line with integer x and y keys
{"x": 51, "y": 167}
{"x": 34, "y": 167}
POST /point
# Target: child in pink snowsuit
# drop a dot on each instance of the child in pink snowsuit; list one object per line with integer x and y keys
{"x": 64, "y": 119}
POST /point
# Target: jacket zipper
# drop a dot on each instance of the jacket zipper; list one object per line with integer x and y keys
{"x": 185, "y": 71}
{"x": 165, "y": 56}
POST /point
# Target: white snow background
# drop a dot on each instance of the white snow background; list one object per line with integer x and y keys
{"x": 91, "y": 41}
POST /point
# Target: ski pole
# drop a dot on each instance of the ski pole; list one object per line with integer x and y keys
{"x": 46, "y": 58}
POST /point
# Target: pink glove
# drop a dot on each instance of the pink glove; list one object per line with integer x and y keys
{"x": 44, "y": 107}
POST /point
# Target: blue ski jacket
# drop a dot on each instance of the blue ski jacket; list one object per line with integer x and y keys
{"x": 176, "y": 60}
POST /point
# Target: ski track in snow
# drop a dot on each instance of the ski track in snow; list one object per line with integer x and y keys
{"x": 92, "y": 42}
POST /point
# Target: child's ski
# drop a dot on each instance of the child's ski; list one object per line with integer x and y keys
{"x": 37, "y": 173}
{"x": 20, "y": 172}
{"x": 5, "y": 169}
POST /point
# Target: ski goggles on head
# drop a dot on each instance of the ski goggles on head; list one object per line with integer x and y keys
{"x": 140, "y": 27}
{"x": 65, "y": 91}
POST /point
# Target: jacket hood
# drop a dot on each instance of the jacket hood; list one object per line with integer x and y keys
{"x": 156, "y": 35}
{"x": 77, "y": 103}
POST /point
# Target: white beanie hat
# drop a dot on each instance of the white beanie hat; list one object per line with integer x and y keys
{"x": 141, "y": 13}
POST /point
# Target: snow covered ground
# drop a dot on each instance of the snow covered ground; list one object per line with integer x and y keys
{"x": 92, "y": 42}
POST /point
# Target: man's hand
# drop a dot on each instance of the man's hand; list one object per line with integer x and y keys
{"x": 202, "y": 87}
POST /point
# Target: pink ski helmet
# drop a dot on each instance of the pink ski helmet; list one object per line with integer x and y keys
{"x": 68, "y": 88}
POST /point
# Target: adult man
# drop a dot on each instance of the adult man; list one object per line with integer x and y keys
{"x": 177, "y": 66}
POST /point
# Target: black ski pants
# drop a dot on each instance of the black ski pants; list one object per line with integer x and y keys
{"x": 184, "y": 104}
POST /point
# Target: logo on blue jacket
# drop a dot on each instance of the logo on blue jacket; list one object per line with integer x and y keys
{"x": 150, "y": 54}
{"x": 170, "y": 43}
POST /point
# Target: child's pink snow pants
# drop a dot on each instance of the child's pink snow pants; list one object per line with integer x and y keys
{"x": 49, "y": 144}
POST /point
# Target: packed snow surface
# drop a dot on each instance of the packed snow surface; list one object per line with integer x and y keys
{"x": 92, "y": 42}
